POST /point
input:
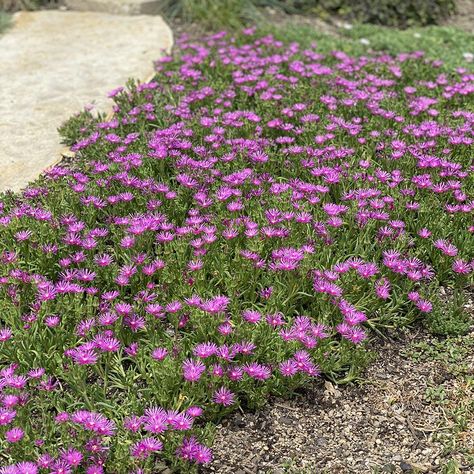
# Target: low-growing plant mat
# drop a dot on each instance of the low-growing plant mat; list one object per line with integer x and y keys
{"x": 236, "y": 230}
{"x": 454, "y": 45}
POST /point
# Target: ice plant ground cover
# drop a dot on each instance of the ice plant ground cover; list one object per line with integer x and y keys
{"x": 237, "y": 229}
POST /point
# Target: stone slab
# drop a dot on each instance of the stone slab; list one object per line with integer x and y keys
{"x": 117, "y": 7}
{"x": 53, "y": 63}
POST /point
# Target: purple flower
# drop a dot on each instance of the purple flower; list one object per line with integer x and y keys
{"x": 194, "y": 411}
{"x": 275, "y": 319}
{"x": 95, "y": 469}
{"x": 205, "y": 349}
{"x": 461, "y": 267}
{"x": 288, "y": 368}
{"x": 191, "y": 450}
{"x": 235, "y": 373}
{"x": 446, "y": 247}
{"x": 357, "y": 335}
{"x": 182, "y": 422}
{"x": 72, "y": 456}
{"x": 202, "y": 454}
{"x": 107, "y": 344}
{"x": 95, "y": 422}
{"x": 145, "y": 447}
{"x": 159, "y": 353}
{"x": 193, "y": 370}
{"x": 382, "y": 288}
{"x": 424, "y": 306}
{"x": 216, "y": 305}
{"x": 5, "y": 334}
{"x": 45, "y": 461}
{"x": 84, "y": 356}
{"x": 26, "y": 467}
{"x": 155, "y": 420}
{"x": 14, "y": 435}
{"x": 133, "y": 423}
{"x": 251, "y": 316}
{"x": 257, "y": 371}
{"x": 60, "y": 467}
{"x": 223, "y": 396}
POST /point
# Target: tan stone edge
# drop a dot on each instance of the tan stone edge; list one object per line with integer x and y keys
{"x": 66, "y": 151}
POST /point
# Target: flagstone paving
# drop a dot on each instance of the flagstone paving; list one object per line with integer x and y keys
{"x": 53, "y": 64}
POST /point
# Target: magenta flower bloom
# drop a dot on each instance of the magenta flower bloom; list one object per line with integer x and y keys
{"x": 235, "y": 373}
{"x": 14, "y": 435}
{"x": 84, "y": 356}
{"x": 257, "y": 371}
{"x": 266, "y": 293}
{"x": 26, "y": 468}
{"x": 413, "y": 296}
{"x": 145, "y": 447}
{"x": 173, "y": 307}
{"x": 5, "y": 334}
{"x": 275, "y": 319}
{"x": 107, "y": 344}
{"x": 202, "y": 454}
{"x": 216, "y": 305}
{"x": 216, "y": 370}
{"x": 95, "y": 469}
{"x": 382, "y": 288}
{"x": 223, "y": 396}
{"x": 159, "y": 353}
{"x": 367, "y": 270}
{"x": 155, "y": 420}
{"x": 62, "y": 417}
{"x": 191, "y": 450}
{"x": 446, "y": 247}
{"x": 194, "y": 411}
{"x": 72, "y": 456}
{"x": 52, "y": 321}
{"x": 288, "y": 368}
{"x": 205, "y": 349}
{"x": 424, "y": 306}
{"x": 461, "y": 267}
{"x": 251, "y": 316}
{"x": 132, "y": 349}
{"x": 182, "y": 422}
{"x": 60, "y": 467}
{"x": 133, "y": 423}
{"x": 6, "y": 416}
{"x": 95, "y": 422}
{"x": 10, "y": 400}
{"x": 424, "y": 233}
{"x": 23, "y": 235}
{"x": 357, "y": 335}
{"x": 193, "y": 370}
{"x": 45, "y": 461}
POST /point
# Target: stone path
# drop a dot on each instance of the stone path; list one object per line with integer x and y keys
{"x": 52, "y": 64}
{"x": 464, "y": 16}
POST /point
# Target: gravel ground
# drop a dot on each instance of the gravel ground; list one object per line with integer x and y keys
{"x": 385, "y": 424}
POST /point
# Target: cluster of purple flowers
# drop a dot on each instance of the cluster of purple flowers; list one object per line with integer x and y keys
{"x": 231, "y": 229}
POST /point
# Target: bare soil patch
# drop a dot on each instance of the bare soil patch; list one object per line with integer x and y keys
{"x": 391, "y": 422}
